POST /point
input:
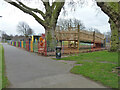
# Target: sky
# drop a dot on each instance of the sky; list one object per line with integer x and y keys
{"x": 91, "y": 15}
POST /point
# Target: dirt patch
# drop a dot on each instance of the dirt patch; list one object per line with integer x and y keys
{"x": 99, "y": 61}
{"x": 116, "y": 70}
{"x": 106, "y": 62}
{"x": 68, "y": 62}
{"x": 78, "y": 64}
{"x": 61, "y": 57}
{"x": 73, "y": 63}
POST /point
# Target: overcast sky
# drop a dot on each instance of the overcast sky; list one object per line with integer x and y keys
{"x": 90, "y": 15}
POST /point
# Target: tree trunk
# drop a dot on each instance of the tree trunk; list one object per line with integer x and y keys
{"x": 112, "y": 10}
{"x": 114, "y": 36}
{"x": 51, "y": 39}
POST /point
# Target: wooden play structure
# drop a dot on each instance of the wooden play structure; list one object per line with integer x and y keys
{"x": 77, "y": 36}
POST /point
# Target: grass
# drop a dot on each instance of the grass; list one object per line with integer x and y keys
{"x": 98, "y": 66}
{"x": 3, "y": 78}
{"x": 111, "y": 57}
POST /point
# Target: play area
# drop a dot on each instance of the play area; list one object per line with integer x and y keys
{"x": 73, "y": 40}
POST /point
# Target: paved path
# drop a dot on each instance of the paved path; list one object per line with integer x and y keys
{"x": 29, "y": 70}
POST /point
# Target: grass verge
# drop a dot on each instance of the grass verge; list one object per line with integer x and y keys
{"x": 3, "y": 78}
{"x": 99, "y": 66}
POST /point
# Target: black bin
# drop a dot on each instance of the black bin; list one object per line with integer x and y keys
{"x": 58, "y": 52}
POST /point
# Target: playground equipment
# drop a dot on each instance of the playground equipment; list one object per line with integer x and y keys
{"x": 42, "y": 48}
{"x": 72, "y": 40}
{"x": 75, "y": 37}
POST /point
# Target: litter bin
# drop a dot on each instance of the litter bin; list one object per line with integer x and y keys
{"x": 58, "y": 52}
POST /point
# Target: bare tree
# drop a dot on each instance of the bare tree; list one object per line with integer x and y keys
{"x": 5, "y": 36}
{"x": 80, "y": 23}
{"x": 96, "y": 30}
{"x": 65, "y": 23}
{"x": 91, "y": 29}
{"x": 24, "y": 29}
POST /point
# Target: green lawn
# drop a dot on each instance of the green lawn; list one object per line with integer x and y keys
{"x": 3, "y": 78}
{"x": 98, "y": 66}
{"x": 111, "y": 57}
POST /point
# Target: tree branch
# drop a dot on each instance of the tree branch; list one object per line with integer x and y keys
{"x": 56, "y": 12}
{"x": 109, "y": 11}
{"x": 39, "y": 20}
{"x": 46, "y": 4}
{"x": 32, "y": 9}
{"x": 54, "y": 4}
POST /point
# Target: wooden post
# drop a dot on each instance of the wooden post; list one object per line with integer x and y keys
{"x": 93, "y": 38}
{"x": 78, "y": 36}
{"x": 63, "y": 46}
{"x": 105, "y": 43}
{"x": 69, "y": 41}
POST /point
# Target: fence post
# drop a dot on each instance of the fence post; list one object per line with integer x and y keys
{"x": 45, "y": 48}
{"x": 63, "y": 47}
{"x": 78, "y": 37}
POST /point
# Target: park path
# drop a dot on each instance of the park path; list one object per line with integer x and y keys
{"x": 29, "y": 70}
